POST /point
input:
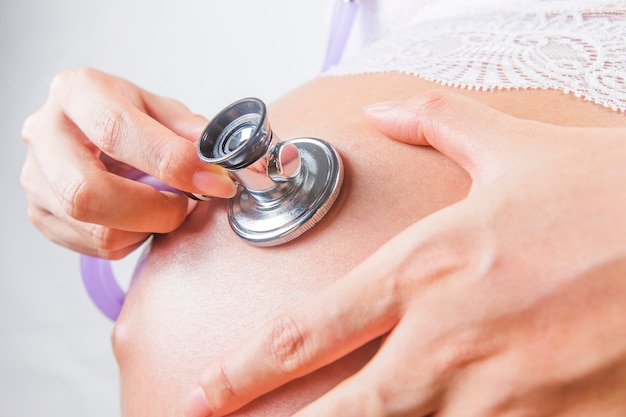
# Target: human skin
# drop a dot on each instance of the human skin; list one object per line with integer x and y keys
{"x": 91, "y": 131}
{"x": 201, "y": 291}
{"x": 510, "y": 302}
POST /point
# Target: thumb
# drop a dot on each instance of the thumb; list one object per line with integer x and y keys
{"x": 472, "y": 134}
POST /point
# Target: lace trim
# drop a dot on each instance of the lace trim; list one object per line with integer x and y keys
{"x": 579, "y": 50}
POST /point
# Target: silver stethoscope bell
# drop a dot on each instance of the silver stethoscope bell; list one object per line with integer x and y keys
{"x": 285, "y": 186}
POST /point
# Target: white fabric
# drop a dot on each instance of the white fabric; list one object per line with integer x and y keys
{"x": 576, "y": 46}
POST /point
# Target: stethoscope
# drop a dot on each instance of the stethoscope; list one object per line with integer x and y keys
{"x": 284, "y": 187}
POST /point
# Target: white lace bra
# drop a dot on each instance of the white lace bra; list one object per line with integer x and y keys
{"x": 576, "y": 46}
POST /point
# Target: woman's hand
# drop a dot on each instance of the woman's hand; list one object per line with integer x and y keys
{"x": 93, "y": 129}
{"x": 511, "y": 302}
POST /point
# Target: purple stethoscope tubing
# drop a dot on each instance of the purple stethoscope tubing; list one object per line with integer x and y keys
{"x": 340, "y": 26}
{"x": 102, "y": 286}
{"x": 97, "y": 273}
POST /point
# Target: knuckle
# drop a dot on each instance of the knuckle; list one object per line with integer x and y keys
{"x": 384, "y": 398}
{"x": 77, "y": 199}
{"x": 85, "y": 73}
{"x": 402, "y": 280}
{"x": 104, "y": 240}
{"x": 34, "y": 126}
{"x": 447, "y": 360}
{"x": 398, "y": 285}
{"x": 396, "y": 282}
{"x": 60, "y": 83}
{"x": 222, "y": 391}
{"x": 73, "y": 79}
{"x": 461, "y": 351}
{"x": 109, "y": 243}
{"x": 110, "y": 127}
{"x": 165, "y": 163}
{"x": 35, "y": 217}
{"x": 40, "y": 220}
{"x": 28, "y": 128}
{"x": 434, "y": 102}
{"x": 288, "y": 344}
{"x": 431, "y": 108}
{"x": 63, "y": 80}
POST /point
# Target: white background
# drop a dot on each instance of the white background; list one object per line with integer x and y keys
{"x": 55, "y": 354}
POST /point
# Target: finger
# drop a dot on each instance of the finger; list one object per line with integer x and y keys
{"x": 339, "y": 319}
{"x": 399, "y": 381}
{"x": 87, "y": 192}
{"x": 417, "y": 368}
{"x": 174, "y": 115}
{"x": 119, "y": 128}
{"x": 470, "y": 133}
{"x": 88, "y": 239}
{"x": 46, "y": 214}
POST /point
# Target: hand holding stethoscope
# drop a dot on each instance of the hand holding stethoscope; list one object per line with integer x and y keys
{"x": 85, "y": 147}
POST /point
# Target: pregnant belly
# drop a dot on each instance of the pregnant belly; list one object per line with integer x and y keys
{"x": 201, "y": 290}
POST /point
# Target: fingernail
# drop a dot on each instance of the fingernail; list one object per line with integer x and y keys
{"x": 379, "y": 107}
{"x": 196, "y": 404}
{"x": 214, "y": 184}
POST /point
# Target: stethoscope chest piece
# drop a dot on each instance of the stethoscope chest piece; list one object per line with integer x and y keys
{"x": 286, "y": 187}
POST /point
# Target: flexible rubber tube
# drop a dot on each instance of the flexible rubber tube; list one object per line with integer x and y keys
{"x": 102, "y": 286}
{"x": 341, "y": 24}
